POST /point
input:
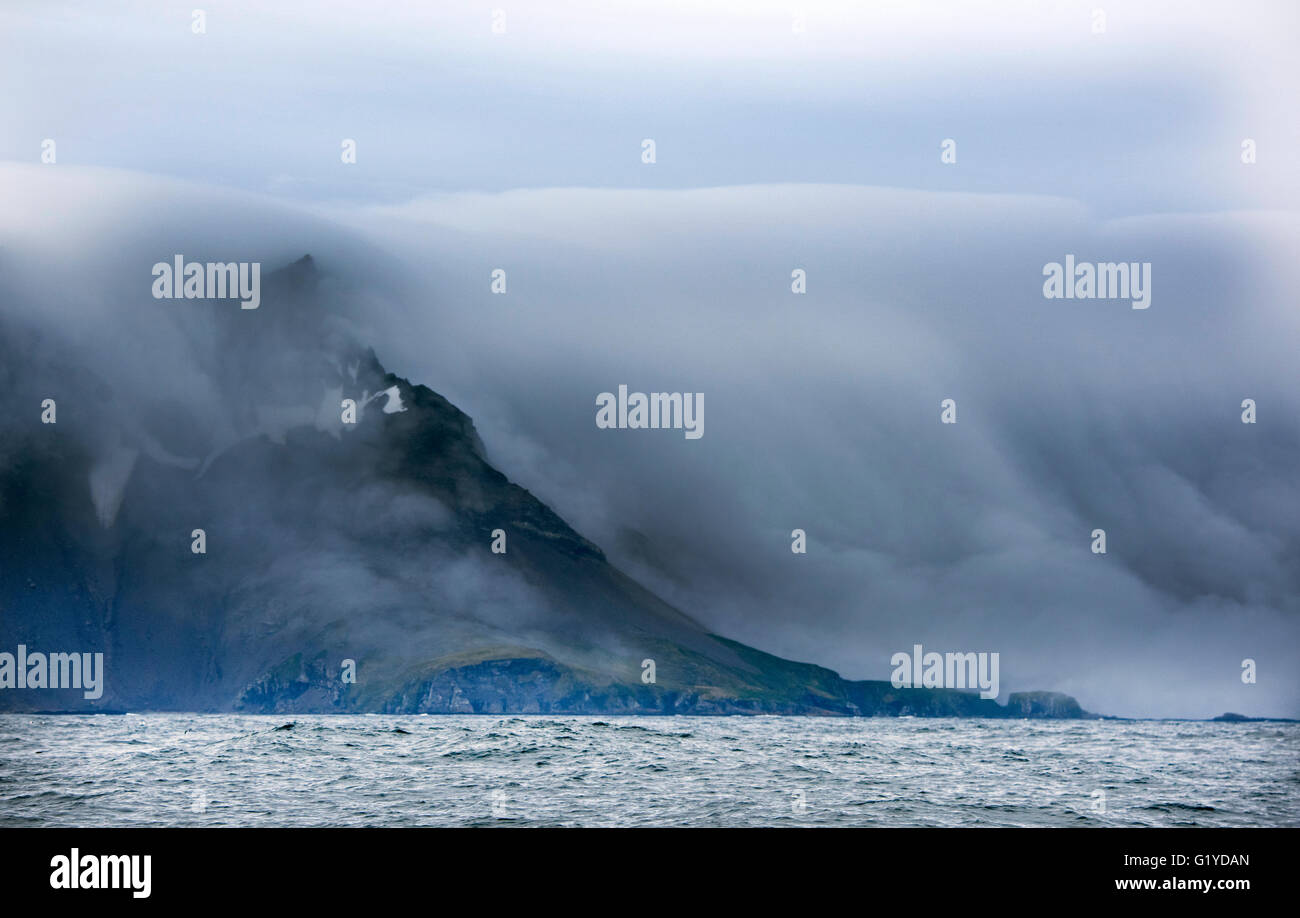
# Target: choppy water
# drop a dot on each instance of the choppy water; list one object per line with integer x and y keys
{"x": 207, "y": 770}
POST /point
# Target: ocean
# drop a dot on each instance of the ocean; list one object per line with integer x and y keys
{"x": 234, "y": 770}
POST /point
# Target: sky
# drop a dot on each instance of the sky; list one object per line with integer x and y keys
{"x": 787, "y": 136}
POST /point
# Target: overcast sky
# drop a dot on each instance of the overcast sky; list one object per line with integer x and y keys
{"x": 776, "y": 149}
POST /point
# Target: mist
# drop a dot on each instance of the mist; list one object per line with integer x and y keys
{"x": 778, "y": 150}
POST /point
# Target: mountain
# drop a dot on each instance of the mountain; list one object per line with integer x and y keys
{"x": 327, "y": 542}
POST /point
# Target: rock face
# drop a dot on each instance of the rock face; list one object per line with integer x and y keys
{"x": 1043, "y": 704}
{"x": 333, "y": 548}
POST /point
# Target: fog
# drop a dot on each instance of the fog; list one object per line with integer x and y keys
{"x": 924, "y": 283}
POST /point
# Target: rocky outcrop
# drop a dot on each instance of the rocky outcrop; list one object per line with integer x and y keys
{"x": 1043, "y": 704}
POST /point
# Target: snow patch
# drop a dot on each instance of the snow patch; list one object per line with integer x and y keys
{"x": 394, "y": 403}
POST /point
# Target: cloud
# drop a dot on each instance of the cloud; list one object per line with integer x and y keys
{"x": 823, "y": 408}
{"x": 824, "y": 415}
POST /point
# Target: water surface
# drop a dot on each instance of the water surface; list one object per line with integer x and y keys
{"x": 232, "y": 770}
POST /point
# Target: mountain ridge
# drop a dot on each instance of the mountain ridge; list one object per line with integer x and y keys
{"x": 327, "y": 542}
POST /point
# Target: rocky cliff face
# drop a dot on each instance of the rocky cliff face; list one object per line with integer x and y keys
{"x": 1043, "y": 704}
{"x": 327, "y": 542}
